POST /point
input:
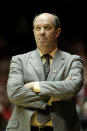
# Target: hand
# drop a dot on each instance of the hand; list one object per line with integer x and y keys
{"x": 69, "y": 78}
{"x": 52, "y": 99}
{"x": 29, "y": 85}
{"x": 56, "y": 99}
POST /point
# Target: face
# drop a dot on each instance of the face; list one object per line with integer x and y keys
{"x": 45, "y": 32}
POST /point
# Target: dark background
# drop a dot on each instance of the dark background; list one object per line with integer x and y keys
{"x": 16, "y": 35}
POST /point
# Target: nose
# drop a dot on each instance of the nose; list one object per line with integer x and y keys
{"x": 42, "y": 31}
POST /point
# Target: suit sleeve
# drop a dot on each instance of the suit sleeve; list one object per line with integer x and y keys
{"x": 17, "y": 93}
{"x": 66, "y": 89}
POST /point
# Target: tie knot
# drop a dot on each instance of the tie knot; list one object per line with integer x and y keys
{"x": 47, "y": 56}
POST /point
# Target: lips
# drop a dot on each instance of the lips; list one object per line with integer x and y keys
{"x": 42, "y": 39}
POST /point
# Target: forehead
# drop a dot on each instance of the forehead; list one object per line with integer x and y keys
{"x": 44, "y": 19}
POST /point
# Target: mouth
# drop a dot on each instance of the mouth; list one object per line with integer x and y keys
{"x": 42, "y": 39}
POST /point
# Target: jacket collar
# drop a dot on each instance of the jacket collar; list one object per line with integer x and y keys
{"x": 35, "y": 61}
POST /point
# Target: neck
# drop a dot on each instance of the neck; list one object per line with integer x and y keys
{"x": 45, "y": 50}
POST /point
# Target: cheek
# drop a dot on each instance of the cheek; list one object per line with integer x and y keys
{"x": 51, "y": 33}
{"x": 52, "y": 36}
{"x": 36, "y": 37}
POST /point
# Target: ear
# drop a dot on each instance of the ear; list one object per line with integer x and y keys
{"x": 33, "y": 30}
{"x": 58, "y": 31}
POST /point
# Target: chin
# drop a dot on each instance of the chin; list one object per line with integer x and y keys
{"x": 43, "y": 44}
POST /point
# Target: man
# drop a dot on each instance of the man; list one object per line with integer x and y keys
{"x": 43, "y": 83}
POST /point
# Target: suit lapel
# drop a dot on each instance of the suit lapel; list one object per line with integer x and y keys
{"x": 56, "y": 65}
{"x": 36, "y": 62}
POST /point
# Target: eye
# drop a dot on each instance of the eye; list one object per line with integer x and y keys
{"x": 37, "y": 28}
{"x": 47, "y": 28}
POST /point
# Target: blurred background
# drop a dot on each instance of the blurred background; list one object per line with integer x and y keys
{"x": 16, "y": 37}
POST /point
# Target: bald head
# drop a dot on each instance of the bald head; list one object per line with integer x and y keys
{"x": 46, "y": 31}
{"x": 55, "y": 19}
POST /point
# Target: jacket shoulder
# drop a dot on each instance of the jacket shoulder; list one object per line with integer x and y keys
{"x": 69, "y": 56}
{"x": 22, "y": 57}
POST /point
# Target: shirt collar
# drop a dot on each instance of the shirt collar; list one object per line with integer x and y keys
{"x": 51, "y": 54}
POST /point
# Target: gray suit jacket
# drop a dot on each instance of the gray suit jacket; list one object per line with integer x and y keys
{"x": 27, "y": 68}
